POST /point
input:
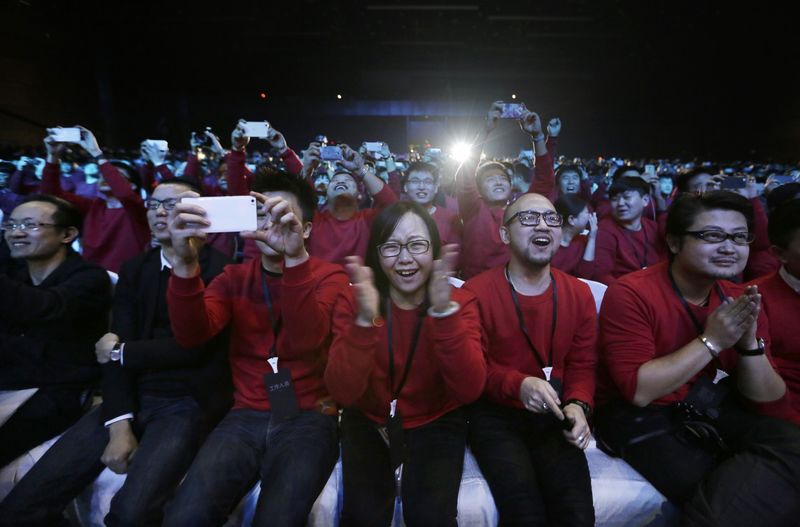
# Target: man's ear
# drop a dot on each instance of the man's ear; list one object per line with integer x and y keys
{"x": 307, "y": 230}
{"x": 505, "y": 236}
{"x": 69, "y": 235}
{"x": 646, "y": 199}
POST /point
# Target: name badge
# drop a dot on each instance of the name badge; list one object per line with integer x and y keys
{"x": 548, "y": 371}
{"x": 280, "y": 392}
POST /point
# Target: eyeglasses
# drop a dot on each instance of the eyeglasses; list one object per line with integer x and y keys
{"x": 421, "y": 182}
{"x": 739, "y": 238}
{"x": 530, "y": 218}
{"x": 169, "y": 203}
{"x": 392, "y": 249}
{"x": 26, "y": 225}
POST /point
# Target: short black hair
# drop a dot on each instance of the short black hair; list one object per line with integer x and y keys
{"x": 625, "y": 168}
{"x": 568, "y": 168}
{"x": 624, "y": 184}
{"x": 186, "y": 182}
{"x": 268, "y": 179}
{"x": 128, "y": 171}
{"x": 569, "y": 205}
{"x": 682, "y": 183}
{"x": 687, "y": 207}
{"x": 784, "y": 222}
{"x": 491, "y": 165}
{"x": 382, "y": 227}
{"x": 66, "y": 214}
{"x": 422, "y": 166}
{"x": 782, "y": 193}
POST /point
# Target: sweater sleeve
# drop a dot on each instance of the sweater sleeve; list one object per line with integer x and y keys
{"x": 457, "y": 344}
{"x": 544, "y": 178}
{"x": 383, "y": 199}
{"x": 580, "y": 363}
{"x": 307, "y": 303}
{"x": 626, "y": 337}
{"x": 237, "y": 174}
{"x": 51, "y": 184}
{"x": 352, "y": 353}
{"x": 467, "y": 194}
{"x": 605, "y": 256}
{"x": 197, "y": 313}
{"x": 292, "y": 163}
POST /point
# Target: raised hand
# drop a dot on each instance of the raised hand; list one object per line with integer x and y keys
{"x": 277, "y": 141}
{"x": 88, "y": 142}
{"x": 239, "y": 138}
{"x": 531, "y": 124}
{"x": 352, "y": 160}
{"x": 554, "y": 127}
{"x": 495, "y": 111}
{"x": 279, "y": 228}
{"x": 187, "y": 231}
{"x": 439, "y": 287}
{"x": 54, "y": 149}
{"x": 367, "y": 297}
{"x": 593, "y": 225}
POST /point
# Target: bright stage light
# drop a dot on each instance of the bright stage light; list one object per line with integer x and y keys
{"x": 460, "y": 151}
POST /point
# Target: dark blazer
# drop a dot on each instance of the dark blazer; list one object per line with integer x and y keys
{"x": 47, "y": 332}
{"x": 205, "y": 368}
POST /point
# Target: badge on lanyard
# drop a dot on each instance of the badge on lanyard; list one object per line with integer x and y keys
{"x": 280, "y": 392}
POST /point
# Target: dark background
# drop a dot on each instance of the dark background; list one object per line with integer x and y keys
{"x": 631, "y": 78}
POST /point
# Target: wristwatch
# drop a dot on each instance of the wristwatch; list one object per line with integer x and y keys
{"x": 587, "y": 410}
{"x": 116, "y": 352}
{"x": 759, "y": 350}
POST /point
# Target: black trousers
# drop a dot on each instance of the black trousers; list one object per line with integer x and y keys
{"x": 753, "y": 480}
{"x": 431, "y": 473}
{"x": 45, "y": 415}
{"x": 535, "y": 476}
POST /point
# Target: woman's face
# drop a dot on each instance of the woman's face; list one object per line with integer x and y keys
{"x": 407, "y": 270}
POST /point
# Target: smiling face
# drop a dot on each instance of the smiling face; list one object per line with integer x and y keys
{"x": 160, "y": 218}
{"x": 494, "y": 185}
{"x": 407, "y": 272}
{"x": 342, "y": 185}
{"x": 569, "y": 183}
{"x": 421, "y": 187}
{"x": 627, "y": 206}
{"x": 42, "y": 243}
{"x": 711, "y": 260}
{"x": 532, "y": 245}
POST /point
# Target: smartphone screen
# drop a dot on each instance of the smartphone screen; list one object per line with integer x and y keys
{"x": 734, "y": 182}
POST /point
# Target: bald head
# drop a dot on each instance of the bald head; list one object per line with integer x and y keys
{"x": 529, "y": 201}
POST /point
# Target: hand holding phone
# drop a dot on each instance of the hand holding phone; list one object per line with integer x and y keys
{"x": 512, "y": 111}
{"x": 228, "y": 213}
{"x": 259, "y": 129}
{"x": 330, "y": 153}
{"x": 65, "y": 135}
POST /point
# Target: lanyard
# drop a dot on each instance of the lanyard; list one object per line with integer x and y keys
{"x": 524, "y": 329}
{"x": 409, "y": 359}
{"x": 629, "y": 236}
{"x": 697, "y": 325}
{"x": 276, "y": 324}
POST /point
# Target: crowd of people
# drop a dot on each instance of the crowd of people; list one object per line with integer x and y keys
{"x": 397, "y": 308}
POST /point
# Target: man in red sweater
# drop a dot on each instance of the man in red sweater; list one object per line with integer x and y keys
{"x": 627, "y": 241}
{"x": 781, "y": 297}
{"x": 483, "y": 193}
{"x": 282, "y": 428}
{"x": 421, "y": 184}
{"x": 539, "y": 330}
{"x": 341, "y": 230}
{"x": 689, "y": 375}
{"x": 115, "y": 225}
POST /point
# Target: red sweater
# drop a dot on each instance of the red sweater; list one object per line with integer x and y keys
{"x": 642, "y": 318}
{"x": 761, "y": 261}
{"x": 570, "y": 259}
{"x": 782, "y": 306}
{"x": 509, "y": 358}
{"x": 110, "y": 237}
{"x": 620, "y": 251}
{"x": 449, "y": 225}
{"x": 448, "y": 370}
{"x": 332, "y": 240}
{"x": 303, "y": 298}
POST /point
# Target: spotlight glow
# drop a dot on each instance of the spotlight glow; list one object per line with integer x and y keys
{"x": 460, "y": 151}
{"x": 339, "y": 96}
{"x": 513, "y": 95}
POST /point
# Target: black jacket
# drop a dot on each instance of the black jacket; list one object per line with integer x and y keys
{"x": 205, "y": 369}
{"x": 48, "y": 332}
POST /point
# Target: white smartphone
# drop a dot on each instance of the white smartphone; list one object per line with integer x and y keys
{"x": 373, "y": 146}
{"x": 256, "y": 129}
{"x": 66, "y": 135}
{"x": 649, "y": 169}
{"x": 160, "y": 144}
{"x": 228, "y": 213}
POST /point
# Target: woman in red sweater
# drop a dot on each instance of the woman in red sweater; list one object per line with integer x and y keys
{"x": 406, "y": 357}
{"x": 575, "y": 255}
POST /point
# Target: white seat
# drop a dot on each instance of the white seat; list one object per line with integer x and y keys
{"x": 598, "y": 291}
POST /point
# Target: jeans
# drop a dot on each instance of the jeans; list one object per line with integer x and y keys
{"x": 755, "y": 481}
{"x": 293, "y": 460}
{"x": 535, "y": 476}
{"x": 431, "y": 473}
{"x": 169, "y": 429}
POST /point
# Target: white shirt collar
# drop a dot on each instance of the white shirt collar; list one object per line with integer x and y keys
{"x": 790, "y": 280}
{"x": 164, "y": 261}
